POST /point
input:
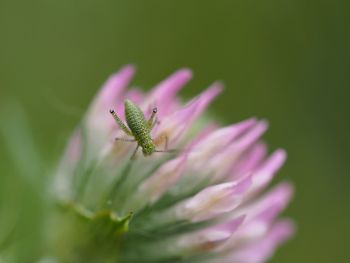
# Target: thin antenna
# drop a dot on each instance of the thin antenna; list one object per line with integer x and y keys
{"x": 166, "y": 151}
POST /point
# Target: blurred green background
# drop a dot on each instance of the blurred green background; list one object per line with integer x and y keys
{"x": 287, "y": 61}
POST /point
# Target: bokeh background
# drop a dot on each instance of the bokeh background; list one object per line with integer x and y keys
{"x": 287, "y": 61}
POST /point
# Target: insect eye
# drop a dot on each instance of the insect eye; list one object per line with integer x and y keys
{"x": 155, "y": 110}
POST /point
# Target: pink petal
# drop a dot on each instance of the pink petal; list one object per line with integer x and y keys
{"x": 175, "y": 125}
{"x": 227, "y": 134}
{"x": 163, "y": 95}
{"x": 67, "y": 166}
{"x": 206, "y": 131}
{"x": 261, "y": 214}
{"x": 261, "y": 250}
{"x": 74, "y": 148}
{"x": 113, "y": 88}
{"x": 249, "y": 161}
{"x": 266, "y": 172}
{"x": 166, "y": 176}
{"x": 99, "y": 122}
{"x": 222, "y": 161}
{"x": 213, "y": 201}
{"x": 216, "y": 141}
{"x": 208, "y": 95}
{"x": 209, "y": 238}
{"x": 135, "y": 96}
{"x": 230, "y": 226}
{"x": 278, "y": 196}
{"x": 252, "y": 135}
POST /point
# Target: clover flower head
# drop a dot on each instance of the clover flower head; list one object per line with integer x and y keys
{"x": 205, "y": 201}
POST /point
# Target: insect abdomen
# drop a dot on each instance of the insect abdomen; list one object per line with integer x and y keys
{"x": 136, "y": 122}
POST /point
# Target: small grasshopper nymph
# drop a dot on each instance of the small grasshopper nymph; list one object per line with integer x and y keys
{"x": 138, "y": 128}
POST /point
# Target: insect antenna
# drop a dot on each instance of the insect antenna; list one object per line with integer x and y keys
{"x": 167, "y": 151}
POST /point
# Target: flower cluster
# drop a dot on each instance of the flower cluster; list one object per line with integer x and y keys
{"x": 203, "y": 202}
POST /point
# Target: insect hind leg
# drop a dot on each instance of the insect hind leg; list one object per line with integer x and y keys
{"x": 162, "y": 139}
{"x": 133, "y": 156}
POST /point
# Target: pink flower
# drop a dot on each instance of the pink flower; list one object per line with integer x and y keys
{"x": 205, "y": 198}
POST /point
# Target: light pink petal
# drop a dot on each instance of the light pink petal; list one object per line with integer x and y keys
{"x": 176, "y": 124}
{"x": 113, "y": 88}
{"x": 208, "y": 95}
{"x": 135, "y": 96}
{"x": 261, "y": 250}
{"x": 216, "y": 141}
{"x": 252, "y": 135}
{"x": 74, "y": 147}
{"x": 213, "y": 201}
{"x": 249, "y": 161}
{"x": 265, "y": 173}
{"x": 166, "y": 176}
{"x": 222, "y": 161}
{"x": 99, "y": 123}
{"x": 225, "y": 135}
{"x": 163, "y": 95}
{"x": 68, "y": 163}
{"x": 204, "y": 133}
{"x": 170, "y": 172}
{"x": 260, "y": 215}
{"x": 279, "y": 196}
{"x": 209, "y": 238}
{"x": 231, "y": 225}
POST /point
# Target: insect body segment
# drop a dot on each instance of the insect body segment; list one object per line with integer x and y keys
{"x": 138, "y": 127}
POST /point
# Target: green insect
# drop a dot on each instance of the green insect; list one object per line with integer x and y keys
{"x": 140, "y": 129}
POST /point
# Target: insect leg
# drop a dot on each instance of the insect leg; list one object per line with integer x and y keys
{"x": 151, "y": 121}
{"x": 166, "y": 142}
{"x": 133, "y": 156}
{"x": 167, "y": 151}
{"x": 125, "y": 140}
{"x": 120, "y": 123}
{"x": 163, "y": 138}
{"x": 154, "y": 123}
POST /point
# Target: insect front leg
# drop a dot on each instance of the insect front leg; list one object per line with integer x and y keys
{"x": 153, "y": 119}
{"x": 154, "y": 124}
{"x": 120, "y": 123}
